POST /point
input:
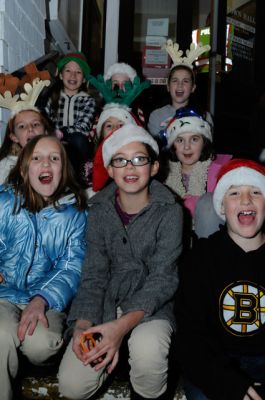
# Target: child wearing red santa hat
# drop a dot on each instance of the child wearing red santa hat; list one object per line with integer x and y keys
{"x": 129, "y": 276}
{"x": 112, "y": 117}
{"x": 221, "y": 297}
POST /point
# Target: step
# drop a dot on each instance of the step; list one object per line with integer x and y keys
{"x": 46, "y": 388}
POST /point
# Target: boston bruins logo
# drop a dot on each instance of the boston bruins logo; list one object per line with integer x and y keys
{"x": 242, "y": 308}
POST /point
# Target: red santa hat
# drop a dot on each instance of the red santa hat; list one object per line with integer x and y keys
{"x": 126, "y": 134}
{"x": 237, "y": 172}
{"x": 100, "y": 174}
{"x": 111, "y": 144}
{"x": 119, "y": 111}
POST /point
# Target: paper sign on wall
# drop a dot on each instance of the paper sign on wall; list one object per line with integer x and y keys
{"x": 157, "y": 27}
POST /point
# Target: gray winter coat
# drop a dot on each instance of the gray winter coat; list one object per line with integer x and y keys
{"x": 134, "y": 268}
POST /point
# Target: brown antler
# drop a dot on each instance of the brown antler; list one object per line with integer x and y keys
{"x": 32, "y": 72}
{"x": 26, "y": 100}
{"x": 9, "y": 83}
{"x": 33, "y": 82}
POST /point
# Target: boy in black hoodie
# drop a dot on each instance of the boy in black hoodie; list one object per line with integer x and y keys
{"x": 221, "y": 297}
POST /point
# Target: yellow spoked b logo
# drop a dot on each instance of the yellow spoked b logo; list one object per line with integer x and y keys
{"x": 242, "y": 308}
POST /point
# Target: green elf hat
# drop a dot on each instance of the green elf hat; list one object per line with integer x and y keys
{"x": 79, "y": 58}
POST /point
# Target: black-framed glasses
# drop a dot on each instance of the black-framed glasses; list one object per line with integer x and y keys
{"x": 137, "y": 161}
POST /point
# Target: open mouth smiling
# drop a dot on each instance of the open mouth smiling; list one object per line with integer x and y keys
{"x": 130, "y": 178}
{"x": 45, "y": 178}
{"x": 246, "y": 216}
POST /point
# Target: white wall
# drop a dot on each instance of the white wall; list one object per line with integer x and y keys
{"x": 22, "y": 34}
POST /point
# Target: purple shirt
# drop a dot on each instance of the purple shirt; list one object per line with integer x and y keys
{"x": 125, "y": 217}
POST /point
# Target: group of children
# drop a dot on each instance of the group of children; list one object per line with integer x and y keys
{"x": 115, "y": 259}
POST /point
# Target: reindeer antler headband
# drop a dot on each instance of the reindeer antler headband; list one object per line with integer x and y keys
{"x": 25, "y": 100}
{"x": 191, "y": 54}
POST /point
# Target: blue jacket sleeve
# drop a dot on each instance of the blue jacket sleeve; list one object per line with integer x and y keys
{"x": 60, "y": 284}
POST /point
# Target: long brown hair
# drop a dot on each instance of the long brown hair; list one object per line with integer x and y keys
{"x": 27, "y": 197}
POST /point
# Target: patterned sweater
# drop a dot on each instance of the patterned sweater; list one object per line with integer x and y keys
{"x": 75, "y": 114}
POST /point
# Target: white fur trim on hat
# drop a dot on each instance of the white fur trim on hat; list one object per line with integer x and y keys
{"x": 194, "y": 125}
{"x": 126, "y": 134}
{"x": 120, "y": 68}
{"x": 119, "y": 111}
{"x": 238, "y": 177}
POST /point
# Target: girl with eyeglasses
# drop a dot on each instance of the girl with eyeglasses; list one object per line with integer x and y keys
{"x": 129, "y": 279}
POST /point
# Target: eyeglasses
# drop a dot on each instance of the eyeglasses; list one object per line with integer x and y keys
{"x": 138, "y": 161}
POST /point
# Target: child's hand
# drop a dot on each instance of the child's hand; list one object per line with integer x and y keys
{"x": 33, "y": 313}
{"x": 2, "y": 280}
{"x": 59, "y": 134}
{"x": 252, "y": 394}
{"x": 81, "y": 327}
{"x": 106, "y": 352}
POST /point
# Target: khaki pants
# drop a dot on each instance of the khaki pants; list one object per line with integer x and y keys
{"x": 44, "y": 343}
{"x": 148, "y": 344}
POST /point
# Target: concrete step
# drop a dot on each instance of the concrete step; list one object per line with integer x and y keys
{"x": 46, "y": 388}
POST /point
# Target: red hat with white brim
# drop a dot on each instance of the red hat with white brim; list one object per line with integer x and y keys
{"x": 237, "y": 172}
{"x": 119, "y": 111}
{"x": 126, "y": 134}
